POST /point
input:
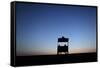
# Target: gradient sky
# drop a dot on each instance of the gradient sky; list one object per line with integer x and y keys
{"x": 38, "y": 26}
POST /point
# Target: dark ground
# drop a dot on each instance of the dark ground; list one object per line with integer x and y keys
{"x": 55, "y": 59}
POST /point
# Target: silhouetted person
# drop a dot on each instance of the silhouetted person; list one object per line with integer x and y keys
{"x": 64, "y": 48}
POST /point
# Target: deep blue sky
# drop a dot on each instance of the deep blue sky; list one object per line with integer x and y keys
{"x": 39, "y": 25}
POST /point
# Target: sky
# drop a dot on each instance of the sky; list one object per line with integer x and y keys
{"x": 38, "y": 27}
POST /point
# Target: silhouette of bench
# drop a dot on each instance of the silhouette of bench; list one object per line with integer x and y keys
{"x": 64, "y": 48}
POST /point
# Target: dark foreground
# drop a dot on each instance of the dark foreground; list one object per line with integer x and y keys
{"x": 55, "y": 59}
